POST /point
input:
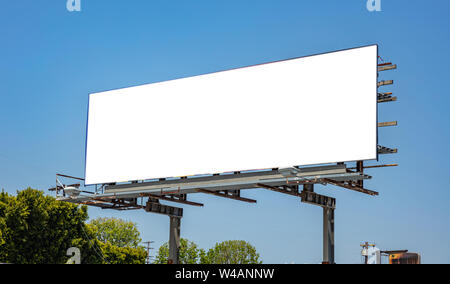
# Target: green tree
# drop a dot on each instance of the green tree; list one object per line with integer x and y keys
{"x": 118, "y": 241}
{"x": 35, "y": 228}
{"x": 3, "y": 204}
{"x": 231, "y": 252}
{"x": 122, "y": 255}
{"x": 116, "y": 232}
{"x": 189, "y": 253}
{"x": 228, "y": 252}
{"x": 106, "y": 253}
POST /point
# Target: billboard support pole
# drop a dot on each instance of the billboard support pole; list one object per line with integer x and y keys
{"x": 328, "y": 204}
{"x": 360, "y": 169}
{"x": 174, "y": 240}
{"x": 328, "y": 235}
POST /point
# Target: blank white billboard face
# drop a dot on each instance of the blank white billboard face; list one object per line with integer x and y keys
{"x": 311, "y": 110}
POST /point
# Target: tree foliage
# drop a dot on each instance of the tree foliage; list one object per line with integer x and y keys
{"x": 116, "y": 232}
{"x": 189, "y": 253}
{"x": 35, "y": 228}
{"x": 232, "y": 252}
{"x": 122, "y": 255}
{"x": 228, "y": 252}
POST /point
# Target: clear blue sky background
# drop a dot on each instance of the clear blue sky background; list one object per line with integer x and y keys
{"x": 50, "y": 59}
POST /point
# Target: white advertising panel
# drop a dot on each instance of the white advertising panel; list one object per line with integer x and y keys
{"x": 310, "y": 110}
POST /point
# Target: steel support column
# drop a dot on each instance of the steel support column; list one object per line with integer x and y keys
{"x": 328, "y": 235}
{"x": 174, "y": 240}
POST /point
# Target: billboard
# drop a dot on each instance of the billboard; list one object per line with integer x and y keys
{"x": 309, "y": 110}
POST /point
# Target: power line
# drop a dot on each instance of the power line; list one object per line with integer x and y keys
{"x": 148, "y": 250}
{"x": 97, "y": 250}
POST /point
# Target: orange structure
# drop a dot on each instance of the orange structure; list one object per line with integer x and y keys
{"x": 402, "y": 257}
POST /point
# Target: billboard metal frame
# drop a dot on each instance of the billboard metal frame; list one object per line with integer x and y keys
{"x": 295, "y": 181}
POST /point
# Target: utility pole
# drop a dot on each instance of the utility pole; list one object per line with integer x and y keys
{"x": 365, "y": 251}
{"x": 148, "y": 250}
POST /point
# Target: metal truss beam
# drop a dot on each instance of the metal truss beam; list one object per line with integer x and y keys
{"x": 378, "y": 166}
{"x": 235, "y": 194}
{"x": 112, "y": 203}
{"x": 71, "y": 177}
{"x": 307, "y": 195}
{"x": 58, "y": 187}
{"x": 351, "y": 186}
{"x": 291, "y": 190}
{"x": 97, "y": 203}
{"x": 225, "y": 185}
{"x": 181, "y": 198}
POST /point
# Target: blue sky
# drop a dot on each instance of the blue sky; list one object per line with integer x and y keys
{"x": 51, "y": 59}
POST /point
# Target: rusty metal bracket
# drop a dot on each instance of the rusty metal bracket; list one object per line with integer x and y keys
{"x": 389, "y": 123}
{"x": 385, "y": 150}
{"x": 318, "y": 199}
{"x": 385, "y": 83}
{"x": 351, "y": 186}
{"x": 386, "y": 67}
{"x": 156, "y": 207}
{"x": 180, "y": 198}
{"x": 385, "y": 97}
{"x": 235, "y": 194}
{"x": 291, "y": 190}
